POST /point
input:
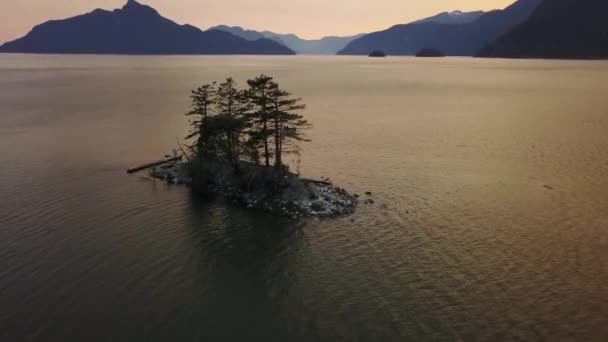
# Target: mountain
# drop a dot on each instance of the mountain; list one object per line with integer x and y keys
{"x": 324, "y": 46}
{"x": 557, "y": 29}
{"x": 133, "y": 29}
{"x": 452, "y": 18}
{"x": 452, "y": 39}
{"x": 239, "y": 31}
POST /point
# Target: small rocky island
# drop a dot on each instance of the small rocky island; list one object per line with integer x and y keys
{"x": 238, "y": 142}
{"x": 377, "y": 53}
{"x": 430, "y": 53}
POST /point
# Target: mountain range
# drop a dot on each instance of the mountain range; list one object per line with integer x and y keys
{"x": 464, "y": 39}
{"x": 324, "y": 46}
{"x": 525, "y": 29}
{"x": 452, "y": 18}
{"x": 134, "y": 29}
{"x": 557, "y": 29}
{"x": 333, "y": 44}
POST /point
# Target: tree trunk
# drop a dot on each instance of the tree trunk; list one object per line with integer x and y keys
{"x": 266, "y": 152}
{"x": 277, "y": 142}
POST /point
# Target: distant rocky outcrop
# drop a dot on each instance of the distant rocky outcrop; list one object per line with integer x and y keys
{"x": 377, "y": 53}
{"x": 430, "y": 53}
{"x": 453, "y": 39}
{"x": 564, "y": 29}
{"x": 324, "y": 46}
{"x": 133, "y": 29}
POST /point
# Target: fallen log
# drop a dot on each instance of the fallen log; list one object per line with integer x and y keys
{"x": 153, "y": 164}
{"x": 317, "y": 181}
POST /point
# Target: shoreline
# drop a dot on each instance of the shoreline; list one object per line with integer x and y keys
{"x": 279, "y": 193}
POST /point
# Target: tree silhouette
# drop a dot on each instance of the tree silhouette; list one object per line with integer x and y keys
{"x": 287, "y": 123}
{"x": 259, "y": 89}
{"x": 232, "y": 124}
{"x": 232, "y": 119}
{"x": 203, "y": 99}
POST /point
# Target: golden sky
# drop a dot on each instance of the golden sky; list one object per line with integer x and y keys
{"x": 307, "y": 18}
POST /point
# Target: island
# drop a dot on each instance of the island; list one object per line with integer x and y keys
{"x": 430, "y": 53}
{"x": 377, "y": 53}
{"x": 237, "y": 149}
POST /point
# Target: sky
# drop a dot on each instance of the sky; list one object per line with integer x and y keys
{"x": 307, "y": 18}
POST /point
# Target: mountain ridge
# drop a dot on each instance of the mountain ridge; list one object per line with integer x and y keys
{"x": 453, "y": 17}
{"x": 564, "y": 29}
{"x": 133, "y": 29}
{"x": 328, "y": 45}
{"x": 453, "y": 39}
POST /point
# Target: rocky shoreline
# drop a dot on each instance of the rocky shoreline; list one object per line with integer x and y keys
{"x": 279, "y": 193}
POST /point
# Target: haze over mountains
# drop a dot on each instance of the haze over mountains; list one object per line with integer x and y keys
{"x": 333, "y": 44}
{"x": 134, "y": 29}
{"x": 557, "y": 29}
{"x": 453, "y": 39}
{"x": 453, "y": 18}
{"x": 324, "y": 46}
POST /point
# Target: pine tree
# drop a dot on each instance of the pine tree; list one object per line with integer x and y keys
{"x": 287, "y": 123}
{"x": 259, "y": 89}
{"x": 262, "y": 122}
{"x": 203, "y": 100}
{"x": 232, "y": 120}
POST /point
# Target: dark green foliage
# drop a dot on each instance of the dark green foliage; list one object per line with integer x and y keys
{"x": 231, "y": 120}
{"x": 202, "y": 102}
{"x": 287, "y": 124}
{"x": 258, "y": 95}
{"x": 258, "y": 124}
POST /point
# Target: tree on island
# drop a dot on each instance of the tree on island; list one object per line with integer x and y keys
{"x": 233, "y": 125}
{"x": 231, "y": 119}
{"x": 287, "y": 123}
{"x": 258, "y": 95}
{"x": 203, "y": 99}
{"x": 239, "y": 139}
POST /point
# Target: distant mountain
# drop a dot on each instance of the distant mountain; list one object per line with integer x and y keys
{"x": 430, "y": 53}
{"x": 452, "y": 39}
{"x": 557, "y": 29}
{"x": 134, "y": 29}
{"x": 452, "y": 18}
{"x": 324, "y": 46}
{"x": 239, "y": 31}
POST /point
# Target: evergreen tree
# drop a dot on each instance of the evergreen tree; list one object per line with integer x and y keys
{"x": 232, "y": 120}
{"x": 260, "y": 124}
{"x": 258, "y": 95}
{"x": 203, "y": 100}
{"x": 287, "y": 123}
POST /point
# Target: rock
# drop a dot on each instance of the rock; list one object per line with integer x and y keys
{"x": 368, "y": 193}
{"x": 377, "y": 53}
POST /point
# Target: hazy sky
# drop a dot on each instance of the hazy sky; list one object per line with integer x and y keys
{"x": 307, "y": 18}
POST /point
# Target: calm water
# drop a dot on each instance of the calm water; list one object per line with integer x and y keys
{"x": 491, "y": 216}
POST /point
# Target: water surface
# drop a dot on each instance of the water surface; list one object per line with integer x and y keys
{"x": 490, "y": 179}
